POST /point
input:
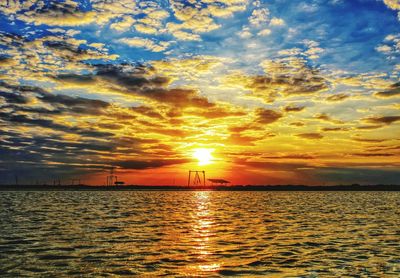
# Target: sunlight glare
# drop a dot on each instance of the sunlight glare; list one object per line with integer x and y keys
{"x": 203, "y": 155}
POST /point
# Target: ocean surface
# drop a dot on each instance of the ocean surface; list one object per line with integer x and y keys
{"x": 199, "y": 234}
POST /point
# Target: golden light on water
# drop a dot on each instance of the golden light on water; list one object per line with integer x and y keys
{"x": 203, "y": 232}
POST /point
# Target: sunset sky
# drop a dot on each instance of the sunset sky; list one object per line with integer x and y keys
{"x": 254, "y": 92}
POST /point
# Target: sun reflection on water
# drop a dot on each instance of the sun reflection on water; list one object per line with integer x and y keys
{"x": 203, "y": 234}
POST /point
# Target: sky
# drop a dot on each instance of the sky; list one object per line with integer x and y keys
{"x": 253, "y": 92}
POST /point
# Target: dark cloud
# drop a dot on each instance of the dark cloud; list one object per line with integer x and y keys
{"x": 369, "y": 127}
{"x": 360, "y": 175}
{"x": 148, "y": 164}
{"x": 178, "y": 97}
{"x": 77, "y": 105}
{"x": 337, "y": 97}
{"x": 311, "y": 135}
{"x": 267, "y": 116}
{"x": 293, "y": 85}
{"x": 243, "y": 140}
{"x": 291, "y": 156}
{"x": 327, "y": 118}
{"x": 297, "y": 124}
{"x": 369, "y": 140}
{"x": 65, "y": 50}
{"x": 20, "y": 89}
{"x": 286, "y": 78}
{"x": 372, "y": 154}
{"x": 133, "y": 142}
{"x": 57, "y": 8}
{"x": 64, "y": 46}
{"x": 382, "y": 120}
{"x": 147, "y": 111}
{"x": 113, "y": 126}
{"x": 131, "y": 77}
{"x": 76, "y": 78}
{"x": 29, "y": 156}
{"x": 60, "y": 103}
{"x": 382, "y": 148}
{"x": 334, "y": 129}
{"x": 16, "y": 98}
{"x": 47, "y": 123}
{"x": 392, "y": 92}
{"x": 8, "y": 39}
{"x": 135, "y": 79}
{"x": 292, "y": 108}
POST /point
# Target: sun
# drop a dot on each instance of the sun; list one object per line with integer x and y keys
{"x": 203, "y": 155}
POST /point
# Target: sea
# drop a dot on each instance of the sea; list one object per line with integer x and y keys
{"x": 199, "y": 234}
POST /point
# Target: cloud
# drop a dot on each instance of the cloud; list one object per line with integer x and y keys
{"x": 145, "y": 43}
{"x": 65, "y": 13}
{"x": 50, "y": 124}
{"x": 372, "y": 154}
{"x": 337, "y": 97}
{"x": 259, "y": 17}
{"x": 393, "y": 4}
{"x": 291, "y": 156}
{"x": 68, "y": 12}
{"x": 79, "y": 93}
{"x": 292, "y": 108}
{"x": 308, "y": 8}
{"x": 245, "y": 33}
{"x": 149, "y": 164}
{"x": 334, "y": 129}
{"x": 382, "y": 119}
{"x": 383, "y": 48}
{"x": 310, "y": 135}
{"x": 394, "y": 91}
{"x": 277, "y": 21}
{"x": 185, "y": 36}
{"x": 147, "y": 111}
{"x": 264, "y": 32}
{"x": 178, "y": 97}
{"x": 14, "y": 97}
{"x": 283, "y": 77}
{"x": 369, "y": 140}
{"x": 217, "y": 112}
{"x": 124, "y": 24}
{"x": 196, "y": 20}
{"x": 76, "y": 78}
{"x": 74, "y": 104}
{"x": 366, "y": 127}
{"x": 327, "y": 118}
{"x": 298, "y": 124}
{"x": 137, "y": 80}
{"x": 199, "y": 18}
{"x": 267, "y": 116}
{"x": 243, "y": 140}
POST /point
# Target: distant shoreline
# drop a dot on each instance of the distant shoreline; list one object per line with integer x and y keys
{"x": 200, "y": 188}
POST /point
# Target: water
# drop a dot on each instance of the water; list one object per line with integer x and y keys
{"x": 208, "y": 233}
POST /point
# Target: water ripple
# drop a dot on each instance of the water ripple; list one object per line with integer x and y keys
{"x": 199, "y": 234}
